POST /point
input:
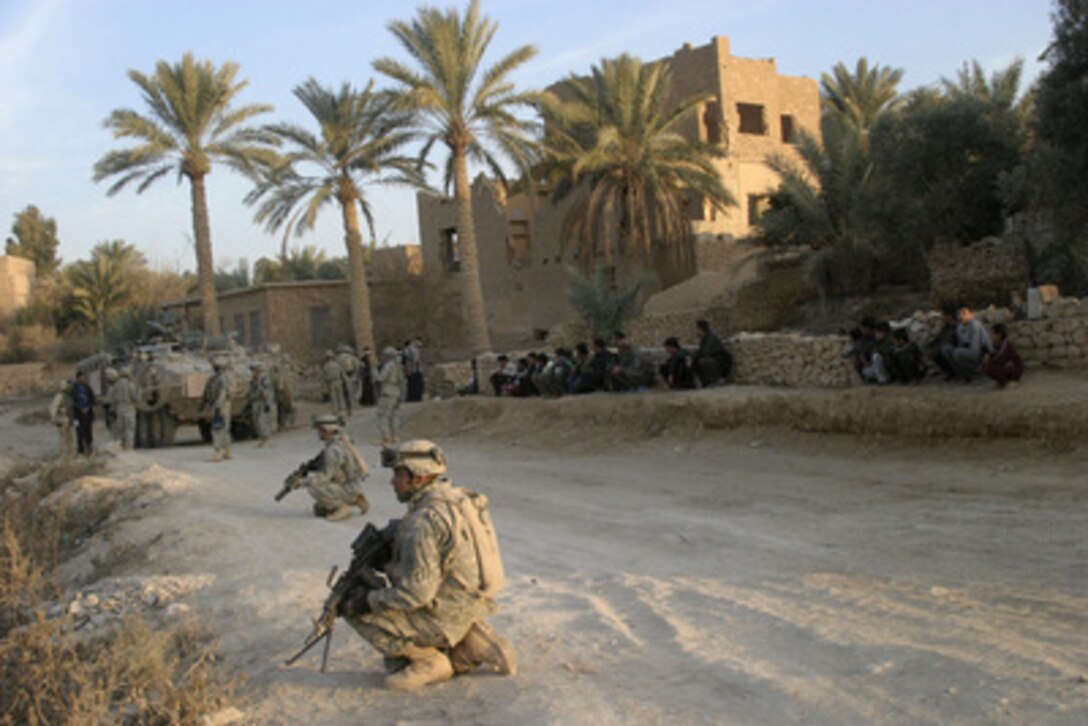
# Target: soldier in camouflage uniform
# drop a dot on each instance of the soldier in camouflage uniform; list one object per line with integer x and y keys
{"x": 280, "y": 376}
{"x": 349, "y": 363}
{"x": 391, "y": 383}
{"x": 429, "y": 623}
{"x": 335, "y": 477}
{"x": 332, "y": 376}
{"x": 62, "y": 414}
{"x": 122, "y": 398}
{"x": 261, "y": 403}
{"x": 217, "y": 400}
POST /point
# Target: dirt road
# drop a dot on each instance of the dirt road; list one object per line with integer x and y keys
{"x": 750, "y": 577}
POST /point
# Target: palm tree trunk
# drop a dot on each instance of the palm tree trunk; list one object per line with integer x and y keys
{"x": 472, "y": 294}
{"x": 205, "y": 265}
{"x": 362, "y": 324}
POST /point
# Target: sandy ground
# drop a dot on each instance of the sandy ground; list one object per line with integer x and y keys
{"x": 752, "y": 576}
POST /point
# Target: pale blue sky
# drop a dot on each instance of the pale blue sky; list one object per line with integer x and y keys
{"x": 63, "y": 68}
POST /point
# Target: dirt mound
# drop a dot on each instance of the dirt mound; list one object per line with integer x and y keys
{"x": 1049, "y": 407}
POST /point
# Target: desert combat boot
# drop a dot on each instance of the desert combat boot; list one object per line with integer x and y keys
{"x": 426, "y": 666}
{"x": 483, "y": 646}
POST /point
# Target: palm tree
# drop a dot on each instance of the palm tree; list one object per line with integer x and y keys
{"x": 360, "y": 139}
{"x": 861, "y": 96}
{"x": 616, "y": 142}
{"x": 102, "y": 285}
{"x": 190, "y": 125}
{"x": 1000, "y": 90}
{"x": 461, "y": 105}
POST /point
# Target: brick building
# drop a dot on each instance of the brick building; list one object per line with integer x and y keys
{"x": 16, "y": 281}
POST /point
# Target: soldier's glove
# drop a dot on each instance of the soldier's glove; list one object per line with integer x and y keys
{"x": 356, "y": 603}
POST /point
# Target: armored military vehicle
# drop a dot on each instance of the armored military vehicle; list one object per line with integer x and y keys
{"x": 171, "y": 383}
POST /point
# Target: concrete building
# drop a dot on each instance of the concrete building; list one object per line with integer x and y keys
{"x": 16, "y": 282}
{"x": 308, "y": 317}
{"x": 753, "y": 112}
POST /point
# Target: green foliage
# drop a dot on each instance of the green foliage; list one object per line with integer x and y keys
{"x": 861, "y": 96}
{"x": 34, "y": 237}
{"x": 305, "y": 263}
{"x": 616, "y": 146}
{"x": 102, "y": 285}
{"x": 603, "y": 307}
{"x": 454, "y": 100}
{"x": 236, "y": 279}
{"x": 129, "y": 326}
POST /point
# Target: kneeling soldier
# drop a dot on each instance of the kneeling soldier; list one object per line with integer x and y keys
{"x": 429, "y": 622}
{"x": 334, "y": 478}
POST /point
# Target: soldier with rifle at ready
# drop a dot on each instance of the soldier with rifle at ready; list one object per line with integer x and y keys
{"x": 334, "y": 478}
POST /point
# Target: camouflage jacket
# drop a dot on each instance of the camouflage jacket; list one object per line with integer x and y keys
{"x": 217, "y": 393}
{"x": 431, "y": 575}
{"x": 391, "y": 378}
{"x": 337, "y": 465}
{"x": 122, "y": 396}
{"x": 260, "y": 396}
{"x": 61, "y": 409}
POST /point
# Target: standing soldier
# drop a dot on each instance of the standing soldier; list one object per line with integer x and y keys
{"x": 391, "y": 384}
{"x": 217, "y": 400}
{"x": 430, "y": 622}
{"x": 122, "y": 398}
{"x": 332, "y": 375}
{"x": 62, "y": 413}
{"x": 334, "y": 478}
{"x": 261, "y": 403}
{"x": 350, "y": 365}
{"x": 283, "y": 386}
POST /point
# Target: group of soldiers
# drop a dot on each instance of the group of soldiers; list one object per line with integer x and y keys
{"x": 269, "y": 401}
{"x": 425, "y": 607}
{"x": 72, "y": 412}
{"x": 348, "y": 379}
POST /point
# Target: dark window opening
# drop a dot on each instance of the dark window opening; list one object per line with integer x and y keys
{"x": 712, "y": 122}
{"x": 451, "y": 253}
{"x": 520, "y": 244}
{"x": 320, "y": 328}
{"x": 256, "y": 334}
{"x": 757, "y": 205}
{"x": 789, "y": 133}
{"x": 751, "y": 119}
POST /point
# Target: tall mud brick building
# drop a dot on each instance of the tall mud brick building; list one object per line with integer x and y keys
{"x": 754, "y": 112}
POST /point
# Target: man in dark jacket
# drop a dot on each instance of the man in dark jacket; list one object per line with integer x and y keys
{"x": 713, "y": 362}
{"x": 678, "y": 370}
{"x": 83, "y": 404}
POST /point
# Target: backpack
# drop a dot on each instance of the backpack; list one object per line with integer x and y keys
{"x": 472, "y": 522}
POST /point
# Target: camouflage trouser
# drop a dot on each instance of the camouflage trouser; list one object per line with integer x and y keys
{"x": 221, "y": 437}
{"x": 67, "y": 441}
{"x": 336, "y": 399}
{"x": 264, "y": 422}
{"x": 392, "y": 632}
{"x": 332, "y": 495}
{"x": 388, "y": 423}
{"x": 124, "y": 429}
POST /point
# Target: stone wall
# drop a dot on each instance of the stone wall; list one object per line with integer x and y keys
{"x": 988, "y": 272}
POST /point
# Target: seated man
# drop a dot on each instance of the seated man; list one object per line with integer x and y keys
{"x": 1004, "y": 364}
{"x": 521, "y": 386}
{"x": 678, "y": 370}
{"x": 713, "y": 362}
{"x": 631, "y": 370}
{"x": 907, "y": 358}
{"x": 429, "y": 622}
{"x": 880, "y": 361}
{"x": 503, "y": 375}
{"x": 945, "y": 336}
{"x": 862, "y": 341}
{"x": 964, "y": 358}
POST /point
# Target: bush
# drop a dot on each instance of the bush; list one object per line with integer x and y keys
{"x": 605, "y": 308}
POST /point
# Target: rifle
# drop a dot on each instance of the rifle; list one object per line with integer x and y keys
{"x": 371, "y": 552}
{"x": 294, "y": 479}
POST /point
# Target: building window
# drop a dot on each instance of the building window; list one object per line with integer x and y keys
{"x": 751, "y": 119}
{"x": 519, "y": 243}
{"x": 240, "y": 327}
{"x": 256, "y": 334}
{"x": 320, "y": 328}
{"x": 757, "y": 205}
{"x": 712, "y": 122}
{"x": 451, "y": 253}
{"x": 789, "y": 133}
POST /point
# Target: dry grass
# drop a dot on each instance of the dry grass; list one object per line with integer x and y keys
{"x": 54, "y": 672}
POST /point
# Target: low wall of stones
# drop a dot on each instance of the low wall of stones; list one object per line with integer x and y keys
{"x": 1057, "y": 339}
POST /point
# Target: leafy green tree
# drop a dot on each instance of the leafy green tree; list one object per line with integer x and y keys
{"x": 860, "y": 96}
{"x": 360, "y": 142}
{"x": 1051, "y": 182}
{"x": 34, "y": 237}
{"x": 822, "y": 204}
{"x": 471, "y": 111}
{"x": 236, "y": 279}
{"x": 101, "y": 286}
{"x": 615, "y": 146}
{"x": 191, "y": 123}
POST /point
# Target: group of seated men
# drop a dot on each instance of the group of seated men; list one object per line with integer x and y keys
{"x": 962, "y": 349}
{"x": 601, "y": 369}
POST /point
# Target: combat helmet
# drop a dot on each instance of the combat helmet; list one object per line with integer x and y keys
{"x": 328, "y": 422}
{"x": 419, "y": 456}
{"x": 111, "y": 374}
